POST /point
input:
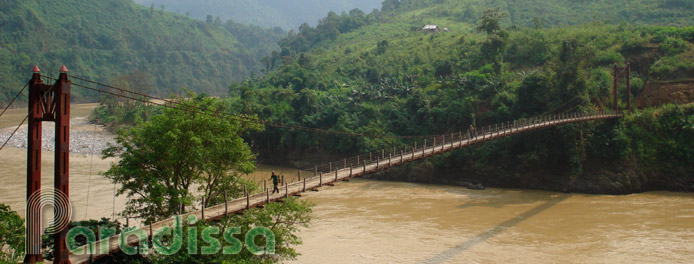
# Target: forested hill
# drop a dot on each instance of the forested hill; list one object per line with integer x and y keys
{"x": 106, "y": 39}
{"x": 287, "y": 14}
{"x": 383, "y": 74}
{"x": 557, "y": 12}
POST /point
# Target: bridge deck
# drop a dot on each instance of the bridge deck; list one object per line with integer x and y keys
{"x": 316, "y": 181}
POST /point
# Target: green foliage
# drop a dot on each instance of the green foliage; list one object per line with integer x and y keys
{"x": 163, "y": 159}
{"x": 680, "y": 66}
{"x": 104, "y": 39}
{"x": 93, "y": 225}
{"x": 495, "y": 45}
{"x": 673, "y": 46}
{"x": 661, "y": 139}
{"x": 11, "y": 235}
{"x": 438, "y": 83}
{"x": 283, "y": 219}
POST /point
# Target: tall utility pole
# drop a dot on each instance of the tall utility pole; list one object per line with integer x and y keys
{"x": 47, "y": 103}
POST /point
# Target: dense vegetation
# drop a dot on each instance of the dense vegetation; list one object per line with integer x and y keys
{"x": 287, "y": 14}
{"x": 380, "y": 74}
{"x": 11, "y": 235}
{"x": 102, "y": 40}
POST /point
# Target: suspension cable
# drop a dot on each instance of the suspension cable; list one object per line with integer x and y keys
{"x": 13, "y": 132}
{"x": 241, "y": 118}
{"x": 15, "y": 98}
{"x": 89, "y": 177}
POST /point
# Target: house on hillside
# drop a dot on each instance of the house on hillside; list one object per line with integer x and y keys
{"x": 433, "y": 28}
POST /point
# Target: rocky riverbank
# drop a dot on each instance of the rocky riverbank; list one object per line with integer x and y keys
{"x": 85, "y": 138}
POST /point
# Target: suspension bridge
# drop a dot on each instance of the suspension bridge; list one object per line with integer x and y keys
{"x": 51, "y": 103}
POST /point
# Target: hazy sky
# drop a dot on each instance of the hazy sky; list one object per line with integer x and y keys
{"x": 269, "y": 13}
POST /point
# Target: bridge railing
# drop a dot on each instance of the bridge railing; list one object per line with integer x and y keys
{"x": 426, "y": 142}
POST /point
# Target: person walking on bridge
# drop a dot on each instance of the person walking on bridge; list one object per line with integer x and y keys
{"x": 275, "y": 180}
{"x": 471, "y": 132}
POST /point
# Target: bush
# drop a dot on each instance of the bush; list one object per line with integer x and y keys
{"x": 11, "y": 235}
{"x": 673, "y": 46}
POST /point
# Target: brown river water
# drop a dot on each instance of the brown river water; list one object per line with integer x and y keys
{"x": 365, "y": 221}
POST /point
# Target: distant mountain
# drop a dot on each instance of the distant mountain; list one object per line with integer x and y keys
{"x": 287, "y": 14}
{"x": 108, "y": 38}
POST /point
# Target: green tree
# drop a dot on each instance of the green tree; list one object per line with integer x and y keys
{"x": 11, "y": 235}
{"x": 382, "y": 47}
{"x": 163, "y": 159}
{"x": 495, "y": 45}
{"x": 389, "y": 5}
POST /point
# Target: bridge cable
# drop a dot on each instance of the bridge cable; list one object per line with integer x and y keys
{"x": 15, "y": 98}
{"x": 559, "y": 107}
{"x": 13, "y": 132}
{"x": 241, "y": 118}
{"x": 89, "y": 179}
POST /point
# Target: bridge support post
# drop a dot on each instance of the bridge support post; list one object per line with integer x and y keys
{"x": 401, "y": 155}
{"x": 350, "y": 170}
{"x": 320, "y": 179}
{"x": 434, "y": 147}
{"x": 226, "y": 203}
{"x": 62, "y": 155}
{"x": 55, "y": 100}
{"x": 299, "y": 176}
{"x": 286, "y": 190}
{"x": 304, "y": 189}
{"x": 628, "y": 77}
{"x": 33, "y": 219}
{"x": 248, "y": 198}
{"x": 615, "y": 83}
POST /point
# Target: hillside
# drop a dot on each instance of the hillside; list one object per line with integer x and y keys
{"x": 382, "y": 74}
{"x": 287, "y": 14}
{"x": 109, "y": 38}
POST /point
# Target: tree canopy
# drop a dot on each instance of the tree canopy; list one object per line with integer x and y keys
{"x": 162, "y": 161}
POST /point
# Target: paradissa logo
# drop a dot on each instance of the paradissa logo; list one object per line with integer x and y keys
{"x": 168, "y": 241}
